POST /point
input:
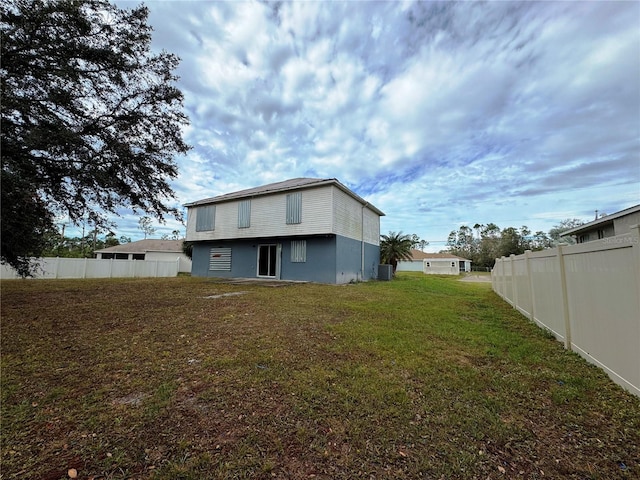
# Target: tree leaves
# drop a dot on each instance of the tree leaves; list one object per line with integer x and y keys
{"x": 395, "y": 247}
{"x": 489, "y": 242}
{"x": 91, "y": 117}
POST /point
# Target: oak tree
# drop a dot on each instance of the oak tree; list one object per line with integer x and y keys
{"x": 91, "y": 119}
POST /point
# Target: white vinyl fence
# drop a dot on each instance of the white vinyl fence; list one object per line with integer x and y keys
{"x": 50, "y": 267}
{"x": 587, "y": 295}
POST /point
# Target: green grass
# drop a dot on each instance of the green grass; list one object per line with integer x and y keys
{"x": 420, "y": 377}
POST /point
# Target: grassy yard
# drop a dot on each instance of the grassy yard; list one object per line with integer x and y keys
{"x": 187, "y": 378}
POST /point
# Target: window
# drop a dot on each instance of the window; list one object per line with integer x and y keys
{"x": 298, "y": 251}
{"x": 583, "y": 238}
{"x": 600, "y": 234}
{"x": 294, "y": 208}
{"x": 244, "y": 214}
{"x": 122, "y": 256}
{"x": 220, "y": 259}
{"x": 107, "y": 256}
{"x": 138, "y": 256}
{"x": 205, "y": 218}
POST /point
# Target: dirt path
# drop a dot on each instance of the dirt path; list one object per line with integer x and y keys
{"x": 476, "y": 278}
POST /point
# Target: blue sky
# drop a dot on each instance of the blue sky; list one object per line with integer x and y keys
{"x": 441, "y": 114}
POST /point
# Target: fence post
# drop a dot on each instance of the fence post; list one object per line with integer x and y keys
{"x": 494, "y": 277}
{"x": 494, "y": 284}
{"x": 565, "y": 298}
{"x": 514, "y": 283}
{"x": 527, "y": 262}
{"x": 635, "y": 248}
{"x": 55, "y": 271}
{"x": 502, "y": 287}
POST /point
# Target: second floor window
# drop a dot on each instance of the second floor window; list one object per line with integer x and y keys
{"x": 244, "y": 214}
{"x": 205, "y": 218}
{"x": 294, "y": 208}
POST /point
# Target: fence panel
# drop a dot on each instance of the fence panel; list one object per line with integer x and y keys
{"x": 97, "y": 268}
{"x": 546, "y": 285}
{"x": 588, "y": 295}
{"x": 63, "y": 268}
{"x": 522, "y": 300}
{"x": 601, "y": 286}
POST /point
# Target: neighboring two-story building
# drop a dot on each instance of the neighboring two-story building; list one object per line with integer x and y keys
{"x": 606, "y": 226}
{"x": 304, "y": 229}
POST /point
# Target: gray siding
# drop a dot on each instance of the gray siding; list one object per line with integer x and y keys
{"x": 597, "y": 233}
{"x": 268, "y": 217}
{"x": 624, "y": 224}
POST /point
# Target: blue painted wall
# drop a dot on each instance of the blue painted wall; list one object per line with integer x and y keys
{"x": 320, "y": 265}
{"x": 349, "y": 260}
{"x": 243, "y": 259}
{"x": 371, "y": 261}
{"x": 331, "y": 259}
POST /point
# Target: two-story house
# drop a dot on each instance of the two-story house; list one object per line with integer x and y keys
{"x": 607, "y": 226}
{"x": 304, "y": 229}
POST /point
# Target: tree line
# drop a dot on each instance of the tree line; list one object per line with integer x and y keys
{"x": 482, "y": 244}
{"x": 56, "y": 244}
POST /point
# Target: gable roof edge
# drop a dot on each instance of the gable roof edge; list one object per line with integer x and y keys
{"x": 601, "y": 220}
{"x": 284, "y": 186}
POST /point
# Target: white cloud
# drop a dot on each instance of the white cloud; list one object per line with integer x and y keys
{"x": 437, "y": 112}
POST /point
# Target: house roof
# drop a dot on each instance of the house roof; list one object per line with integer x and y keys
{"x": 418, "y": 255}
{"x": 284, "y": 186}
{"x": 607, "y": 219}
{"x": 144, "y": 246}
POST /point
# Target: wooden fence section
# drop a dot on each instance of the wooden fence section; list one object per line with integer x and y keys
{"x": 50, "y": 267}
{"x": 587, "y": 295}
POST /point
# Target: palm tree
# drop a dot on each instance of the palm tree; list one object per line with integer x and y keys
{"x": 394, "y": 248}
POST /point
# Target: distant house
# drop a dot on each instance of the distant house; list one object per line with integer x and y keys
{"x": 435, "y": 263}
{"x": 607, "y": 226}
{"x": 305, "y": 229}
{"x": 149, "y": 249}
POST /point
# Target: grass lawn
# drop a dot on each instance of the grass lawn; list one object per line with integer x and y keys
{"x": 188, "y": 378}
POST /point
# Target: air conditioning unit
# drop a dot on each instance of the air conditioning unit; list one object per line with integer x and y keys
{"x": 385, "y": 272}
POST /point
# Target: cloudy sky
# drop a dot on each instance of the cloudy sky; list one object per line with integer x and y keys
{"x": 439, "y": 113}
